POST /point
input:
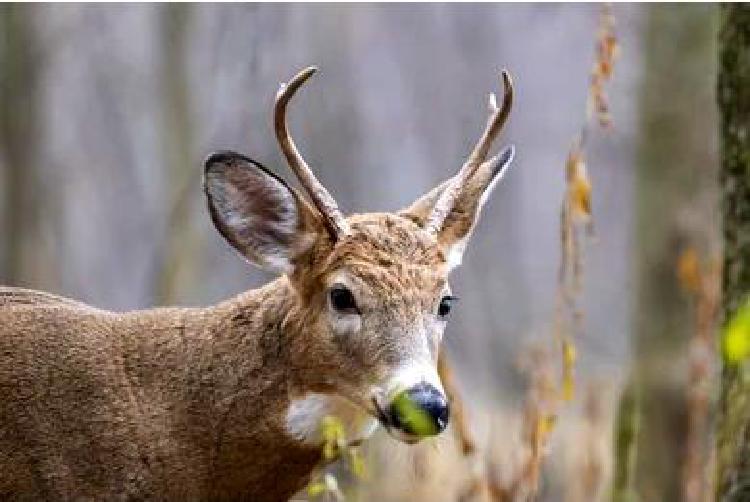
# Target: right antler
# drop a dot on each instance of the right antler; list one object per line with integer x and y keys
{"x": 329, "y": 210}
{"x": 495, "y": 124}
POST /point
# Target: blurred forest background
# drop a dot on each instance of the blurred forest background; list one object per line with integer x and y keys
{"x": 106, "y": 112}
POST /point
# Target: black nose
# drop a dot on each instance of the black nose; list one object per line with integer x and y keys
{"x": 421, "y": 410}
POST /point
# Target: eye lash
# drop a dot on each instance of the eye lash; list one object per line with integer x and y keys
{"x": 445, "y": 306}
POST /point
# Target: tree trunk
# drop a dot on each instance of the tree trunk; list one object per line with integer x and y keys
{"x": 733, "y": 436}
{"x": 180, "y": 246}
{"x": 23, "y": 205}
{"x": 676, "y": 208}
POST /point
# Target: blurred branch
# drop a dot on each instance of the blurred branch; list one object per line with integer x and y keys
{"x": 588, "y": 472}
{"x": 702, "y": 281}
{"x": 627, "y": 423}
{"x": 460, "y": 423}
{"x": 575, "y": 211}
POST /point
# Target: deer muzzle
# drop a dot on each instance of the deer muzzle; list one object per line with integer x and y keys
{"x": 418, "y": 412}
{"x": 412, "y": 405}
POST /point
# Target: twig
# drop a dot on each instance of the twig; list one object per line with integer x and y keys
{"x": 703, "y": 284}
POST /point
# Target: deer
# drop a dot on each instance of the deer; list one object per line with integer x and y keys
{"x": 225, "y": 402}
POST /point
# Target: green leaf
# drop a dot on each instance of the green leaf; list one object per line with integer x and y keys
{"x": 415, "y": 418}
{"x": 316, "y": 489}
{"x": 333, "y": 437}
{"x": 736, "y": 337}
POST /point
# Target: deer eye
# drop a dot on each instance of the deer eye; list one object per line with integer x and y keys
{"x": 446, "y": 304}
{"x": 342, "y": 300}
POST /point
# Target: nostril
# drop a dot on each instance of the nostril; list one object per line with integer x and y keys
{"x": 421, "y": 410}
{"x": 439, "y": 410}
{"x": 433, "y": 402}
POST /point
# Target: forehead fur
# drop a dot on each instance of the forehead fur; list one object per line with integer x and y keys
{"x": 392, "y": 255}
{"x": 385, "y": 250}
{"x": 387, "y": 239}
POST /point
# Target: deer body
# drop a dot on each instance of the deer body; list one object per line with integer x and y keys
{"x": 224, "y": 402}
{"x": 166, "y": 404}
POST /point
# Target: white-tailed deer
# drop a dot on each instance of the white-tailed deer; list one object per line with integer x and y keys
{"x": 224, "y": 402}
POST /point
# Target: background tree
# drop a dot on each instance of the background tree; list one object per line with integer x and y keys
{"x": 26, "y": 202}
{"x": 675, "y": 209}
{"x": 733, "y": 452}
{"x": 177, "y": 264}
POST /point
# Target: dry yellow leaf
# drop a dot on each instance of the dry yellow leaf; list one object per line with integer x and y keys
{"x": 544, "y": 426}
{"x": 688, "y": 270}
{"x": 568, "y": 366}
{"x": 579, "y": 186}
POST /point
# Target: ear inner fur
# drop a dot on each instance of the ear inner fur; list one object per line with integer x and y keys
{"x": 257, "y": 212}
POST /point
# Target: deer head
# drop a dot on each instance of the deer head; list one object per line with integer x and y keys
{"x": 371, "y": 291}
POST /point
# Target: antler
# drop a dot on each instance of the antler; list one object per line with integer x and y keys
{"x": 334, "y": 220}
{"x": 478, "y": 155}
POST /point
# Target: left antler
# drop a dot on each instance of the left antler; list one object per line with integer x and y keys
{"x": 329, "y": 210}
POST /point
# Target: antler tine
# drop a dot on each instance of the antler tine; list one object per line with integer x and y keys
{"x": 334, "y": 220}
{"x": 495, "y": 124}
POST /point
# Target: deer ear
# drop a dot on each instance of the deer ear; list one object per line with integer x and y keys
{"x": 460, "y": 222}
{"x": 257, "y": 212}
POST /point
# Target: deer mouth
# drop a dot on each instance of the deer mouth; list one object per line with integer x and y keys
{"x": 377, "y": 412}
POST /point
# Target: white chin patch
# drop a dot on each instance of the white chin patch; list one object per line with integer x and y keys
{"x": 305, "y": 415}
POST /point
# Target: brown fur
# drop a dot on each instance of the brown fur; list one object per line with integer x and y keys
{"x": 188, "y": 404}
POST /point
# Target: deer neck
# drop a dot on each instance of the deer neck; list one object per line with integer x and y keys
{"x": 218, "y": 382}
{"x": 253, "y": 395}
{"x": 249, "y": 358}
{"x": 253, "y": 380}
{"x": 267, "y": 338}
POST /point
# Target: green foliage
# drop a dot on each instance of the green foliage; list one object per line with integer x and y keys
{"x": 627, "y": 424}
{"x": 735, "y": 341}
{"x": 335, "y": 447}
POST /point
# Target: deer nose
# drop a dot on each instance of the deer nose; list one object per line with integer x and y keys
{"x": 421, "y": 411}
